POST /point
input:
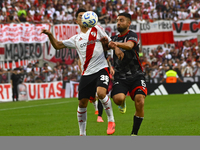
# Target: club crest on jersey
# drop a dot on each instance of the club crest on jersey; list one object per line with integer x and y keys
{"x": 93, "y": 34}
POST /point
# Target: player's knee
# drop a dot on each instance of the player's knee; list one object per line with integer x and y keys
{"x": 83, "y": 103}
{"x": 101, "y": 94}
{"x": 118, "y": 99}
{"x": 139, "y": 100}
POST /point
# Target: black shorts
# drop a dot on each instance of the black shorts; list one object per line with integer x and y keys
{"x": 88, "y": 84}
{"x": 133, "y": 86}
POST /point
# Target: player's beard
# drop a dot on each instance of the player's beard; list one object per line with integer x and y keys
{"x": 120, "y": 29}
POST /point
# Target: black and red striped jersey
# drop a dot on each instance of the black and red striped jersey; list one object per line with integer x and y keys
{"x": 129, "y": 66}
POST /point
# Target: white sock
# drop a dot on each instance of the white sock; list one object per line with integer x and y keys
{"x": 82, "y": 118}
{"x": 95, "y": 103}
{"x": 107, "y": 105}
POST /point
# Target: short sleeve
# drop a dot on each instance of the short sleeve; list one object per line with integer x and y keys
{"x": 70, "y": 42}
{"x": 132, "y": 36}
{"x": 102, "y": 32}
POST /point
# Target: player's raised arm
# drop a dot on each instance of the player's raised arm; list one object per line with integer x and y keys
{"x": 126, "y": 45}
{"x": 56, "y": 44}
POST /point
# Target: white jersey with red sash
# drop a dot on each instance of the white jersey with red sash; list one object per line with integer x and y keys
{"x": 89, "y": 49}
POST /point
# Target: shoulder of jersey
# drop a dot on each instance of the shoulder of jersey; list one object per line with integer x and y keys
{"x": 132, "y": 33}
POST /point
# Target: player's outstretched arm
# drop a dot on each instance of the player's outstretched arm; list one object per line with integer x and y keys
{"x": 126, "y": 45}
{"x": 56, "y": 44}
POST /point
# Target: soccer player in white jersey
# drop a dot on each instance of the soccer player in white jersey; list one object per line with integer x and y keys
{"x": 95, "y": 72}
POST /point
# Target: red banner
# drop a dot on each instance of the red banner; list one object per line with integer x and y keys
{"x": 5, "y": 93}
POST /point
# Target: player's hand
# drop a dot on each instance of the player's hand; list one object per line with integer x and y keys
{"x": 45, "y": 31}
{"x": 104, "y": 41}
{"x": 112, "y": 45}
{"x": 119, "y": 53}
{"x": 112, "y": 71}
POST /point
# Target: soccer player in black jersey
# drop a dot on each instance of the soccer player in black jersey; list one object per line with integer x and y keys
{"x": 129, "y": 75}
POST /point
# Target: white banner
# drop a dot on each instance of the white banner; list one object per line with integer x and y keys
{"x": 5, "y": 92}
{"x": 35, "y": 91}
{"x": 23, "y": 33}
{"x": 22, "y": 51}
{"x": 186, "y": 27}
{"x": 111, "y": 29}
{"x": 74, "y": 89}
{"x": 157, "y": 26}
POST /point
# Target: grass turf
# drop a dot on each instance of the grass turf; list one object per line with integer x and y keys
{"x": 171, "y": 115}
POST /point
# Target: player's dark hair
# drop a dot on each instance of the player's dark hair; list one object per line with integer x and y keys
{"x": 79, "y": 11}
{"x": 125, "y": 14}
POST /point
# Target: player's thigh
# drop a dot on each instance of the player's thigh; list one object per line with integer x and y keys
{"x": 102, "y": 83}
{"x": 87, "y": 88}
{"x": 119, "y": 91}
{"x": 138, "y": 87}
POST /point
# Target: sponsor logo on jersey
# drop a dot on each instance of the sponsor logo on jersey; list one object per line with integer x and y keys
{"x": 89, "y": 42}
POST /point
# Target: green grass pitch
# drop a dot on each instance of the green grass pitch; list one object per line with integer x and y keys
{"x": 172, "y": 115}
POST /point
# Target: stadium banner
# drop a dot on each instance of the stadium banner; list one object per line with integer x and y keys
{"x": 185, "y": 79}
{"x": 62, "y": 32}
{"x": 173, "y": 88}
{"x": 179, "y": 40}
{"x": 153, "y": 89}
{"x": 156, "y": 33}
{"x": 15, "y": 63}
{"x": 23, "y": 51}
{"x": 111, "y": 29}
{"x": 186, "y": 27}
{"x": 20, "y": 43}
{"x": 23, "y": 33}
{"x": 71, "y": 89}
{"x": 5, "y": 92}
{"x": 36, "y": 91}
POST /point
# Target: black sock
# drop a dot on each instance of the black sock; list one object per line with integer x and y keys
{"x": 100, "y": 108}
{"x": 136, "y": 124}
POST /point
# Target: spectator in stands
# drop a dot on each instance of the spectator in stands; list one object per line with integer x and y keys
{"x": 37, "y": 17}
{"x": 3, "y": 76}
{"x": 146, "y": 63}
{"x": 59, "y": 72}
{"x": 55, "y": 19}
{"x": 22, "y": 18}
{"x": 46, "y": 70}
{"x": 29, "y": 73}
{"x": 63, "y": 65}
{"x": 67, "y": 18}
{"x": 21, "y": 11}
{"x": 168, "y": 56}
{"x": 171, "y": 76}
{"x": 46, "y": 18}
{"x": 72, "y": 76}
{"x": 188, "y": 70}
{"x": 197, "y": 69}
{"x": 36, "y": 71}
{"x": 2, "y": 19}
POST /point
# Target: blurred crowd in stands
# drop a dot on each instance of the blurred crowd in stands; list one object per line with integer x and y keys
{"x": 63, "y": 11}
{"x": 185, "y": 60}
{"x": 33, "y": 73}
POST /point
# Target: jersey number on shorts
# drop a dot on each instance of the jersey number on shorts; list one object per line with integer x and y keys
{"x": 143, "y": 84}
{"x": 104, "y": 78}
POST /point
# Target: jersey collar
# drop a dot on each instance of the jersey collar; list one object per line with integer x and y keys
{"x": 123, "y": 34}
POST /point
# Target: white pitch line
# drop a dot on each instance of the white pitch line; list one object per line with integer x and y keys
{"x": 35, "y": 106}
